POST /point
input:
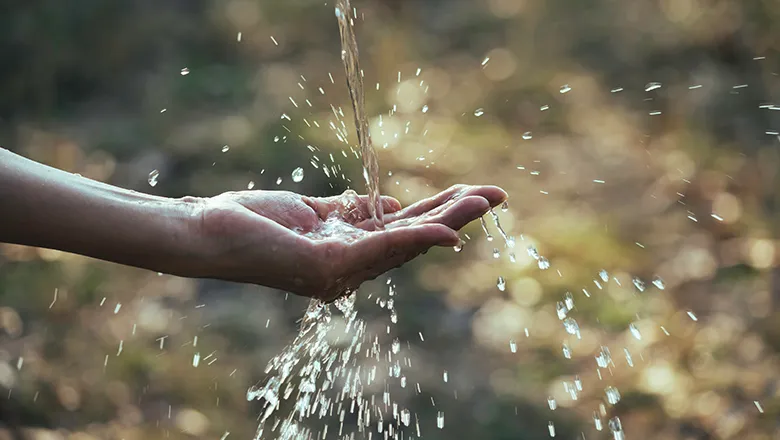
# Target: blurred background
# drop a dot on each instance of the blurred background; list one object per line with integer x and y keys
{"x": 675, "y": 182}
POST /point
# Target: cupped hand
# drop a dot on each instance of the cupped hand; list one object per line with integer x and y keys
{"x": 326, "y": 247}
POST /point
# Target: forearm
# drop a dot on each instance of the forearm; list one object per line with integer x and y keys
{"x": 45, "y": 207}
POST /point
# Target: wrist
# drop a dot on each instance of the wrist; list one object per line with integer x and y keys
{"x": 188, "y": 250}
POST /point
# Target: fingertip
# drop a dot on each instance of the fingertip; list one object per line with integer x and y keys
{"x": 452, "y": 240}
{"x": 494, "y": 195}
{"x": 443, "y": 235}
{"x": 390, "y": 204}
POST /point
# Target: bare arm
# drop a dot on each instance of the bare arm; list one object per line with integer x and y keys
{"x": 46, "y": 207}
{"x": 321, "y": 247}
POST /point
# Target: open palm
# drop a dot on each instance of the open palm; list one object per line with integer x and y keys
{"x": 325, "y": 247}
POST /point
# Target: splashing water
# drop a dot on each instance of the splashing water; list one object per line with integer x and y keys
{"x": 320, "y": 375}
{"x": 312, "y": 363}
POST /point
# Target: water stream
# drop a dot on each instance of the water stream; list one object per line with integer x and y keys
{"x": 350, "y": 56}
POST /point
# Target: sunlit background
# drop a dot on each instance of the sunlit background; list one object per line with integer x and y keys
{"x": 635, "y": 137}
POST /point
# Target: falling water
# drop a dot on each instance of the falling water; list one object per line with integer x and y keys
{"x": 349, "y": 55}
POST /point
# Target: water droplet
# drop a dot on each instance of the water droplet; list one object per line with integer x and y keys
{"x": 613, "y": 395}
{"x": 459, "y": 247}
{"x": 604, "y": 275}
{"x": 396, "y": 346}
{"x": 552, "y": 403}
{"x": 639, "y": 284}
{"x": 512, "y": 346}
{"x": 543, "y": 263}
{"x": 565, "y": 89}
{"x": 758, "y": 406}
{"x": 297, "y": 175}
{"x": 544, "y": 107}
{"x": 652, "y": 86}
{"x": 528, "y": 135}
{"x": 551, "y": 429}
{"x": 425, "y": 109}
{"x": 568, "y": 299}
{"x": 185, "y": 71}
{"x": 226, "y": 148}
{"x": 496, "y": 253}
{"x": 571, "y": 326}
{"x": 562, "y": 310}
{"x": 440, "y": 420}
{"x": 276, "y": 138}
{"x": 617, "y": 429}
{"x": 485, "y": 229}
{"x": 635, "y": 331}
{"x": 153, "y": 178}
{"x": 659, "y": 283}
{"x": 533, "y": 253}
{"x": 604, "y": 357}
{"x": 566, "y": 351}
{"x": 597, "y": 421}
{"x": 279, "y": 181}
{"x": 501, "y": 284}
{"x": 578, "y": 383}
{"x": 253, "y": 393}
{"x": 251, "y": 184}
{"x": 196, "y": 360}
{"x": 629, "y": 360}
{"x": 479, "y": 112}
{"x": 446, "y": 376}
{"x": 569, "y": 388}
{"x": 692, "y": 316}
{"x": 505, "y": 206}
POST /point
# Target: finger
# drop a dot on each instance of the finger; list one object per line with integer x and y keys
{"x": 458, "y": 214}
{"x": 493, "y": 194}
{"x": 428, "y": 204}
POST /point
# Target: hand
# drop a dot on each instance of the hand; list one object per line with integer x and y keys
{"x": 326, "y": 247}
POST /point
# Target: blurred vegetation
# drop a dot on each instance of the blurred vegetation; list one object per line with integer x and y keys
{"x": 680, "y": 182}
